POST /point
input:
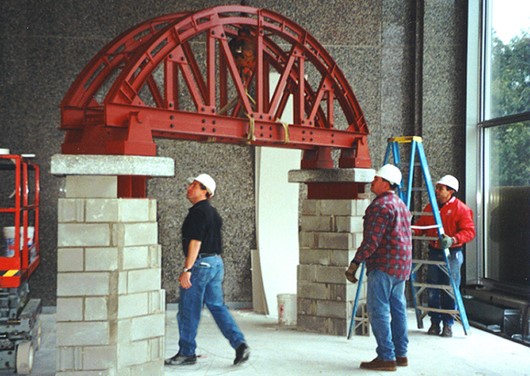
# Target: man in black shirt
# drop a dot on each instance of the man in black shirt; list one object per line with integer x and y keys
{"x": 201, "y": 279}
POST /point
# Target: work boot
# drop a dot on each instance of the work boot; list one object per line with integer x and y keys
{"x": 402, "y": 361}
{"x": 180, "y": 360}
{"x": 380, "y": 365}
{"x": 242, "y": 354}
{"x": 434, "y": 330}
{"x": 447, "y": 331}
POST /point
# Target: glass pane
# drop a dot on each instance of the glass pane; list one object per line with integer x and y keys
{"x": 507, "y": 206}
{"x": 508, "y": 58}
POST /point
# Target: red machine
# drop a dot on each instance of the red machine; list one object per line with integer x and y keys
{"x": 19, "y": 257}
{"x": 205, "y": 76}
{"x": 22, "y": 255}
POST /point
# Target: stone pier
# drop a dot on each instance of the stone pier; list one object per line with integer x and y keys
{"x": 110, "y": 307}
{"x": 331, "y": 230}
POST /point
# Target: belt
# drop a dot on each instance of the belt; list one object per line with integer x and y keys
{"x": 202, "y": 255}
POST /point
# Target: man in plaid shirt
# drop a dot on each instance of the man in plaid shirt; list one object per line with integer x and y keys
{"x": 387, "y": 250}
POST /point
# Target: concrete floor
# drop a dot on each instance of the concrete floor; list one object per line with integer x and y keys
{"x": 281, "y": 351}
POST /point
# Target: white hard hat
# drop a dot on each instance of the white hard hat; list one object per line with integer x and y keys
{"x": 450, "y": 181}
{"x": 205, "y": 180}
{"x": 390, "y": 173}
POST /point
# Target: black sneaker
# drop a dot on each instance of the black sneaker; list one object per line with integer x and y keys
{"x": 242, "y": 354}
{"x": 180, "y": 360}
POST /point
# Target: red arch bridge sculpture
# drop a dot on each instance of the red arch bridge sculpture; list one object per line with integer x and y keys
{"x": 206, "y": 76}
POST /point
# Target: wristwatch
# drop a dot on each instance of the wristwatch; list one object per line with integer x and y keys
{"x": 185, "y": 270}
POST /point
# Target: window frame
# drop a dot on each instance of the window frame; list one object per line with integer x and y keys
{"x": 476, "y": 109}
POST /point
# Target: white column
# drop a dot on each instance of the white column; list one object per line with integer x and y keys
{"x": 110, "y": 307}
{"x": 331, "y": 230}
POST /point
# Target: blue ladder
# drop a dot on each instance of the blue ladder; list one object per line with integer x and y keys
{"x": 356, "y": 303}
{"x": 405, "y": 192}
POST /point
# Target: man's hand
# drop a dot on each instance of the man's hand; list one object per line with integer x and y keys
{"x": 350, "y": 272}
{"x": 446, "y": 241}
{"x": 185, "y": 280}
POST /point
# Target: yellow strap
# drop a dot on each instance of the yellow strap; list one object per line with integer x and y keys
{"x": 250, "y": 97}
{"x": 286, "y": 132}
{"x": 10, "y": 273}
{"x": 251, "y": 136}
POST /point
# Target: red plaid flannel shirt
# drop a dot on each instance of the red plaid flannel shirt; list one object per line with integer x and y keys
{"x": 387, "y": 237}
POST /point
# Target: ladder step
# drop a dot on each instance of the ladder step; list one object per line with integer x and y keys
{"x": 432, "y": 286}
{"x": 430, "y": 309}
{"x": 421, "y": 213}
{"x": 429, "y": 227}
{"x": 424, "y": 238}
{"x": 428, "y": 262}
{"x": 404, "y": 139}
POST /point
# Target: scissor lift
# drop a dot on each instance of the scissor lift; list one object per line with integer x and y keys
{"x": 20, "y": 329}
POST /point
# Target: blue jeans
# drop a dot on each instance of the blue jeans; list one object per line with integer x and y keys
{"x": 435, "y": 275}
{"x": 387, "y": 312}
{"x": 207, "y": 289}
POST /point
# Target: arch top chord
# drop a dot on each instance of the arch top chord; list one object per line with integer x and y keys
{"x": 206, "y": 76}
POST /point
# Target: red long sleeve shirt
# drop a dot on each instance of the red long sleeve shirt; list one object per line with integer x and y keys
{"x": 387, "y": 237}
{"x": 457, "y": 221}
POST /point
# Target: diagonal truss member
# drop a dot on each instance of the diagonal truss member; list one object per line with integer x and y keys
{"x": 205, "y": 76}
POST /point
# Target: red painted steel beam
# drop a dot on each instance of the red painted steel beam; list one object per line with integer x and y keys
{"x": 83, "y": 91}
{"x": 141, "y": 85}
{"x": 208, "y": 127}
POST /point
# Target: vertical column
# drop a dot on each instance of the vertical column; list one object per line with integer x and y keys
{"x": 110, "y": 305}
{"x": 331, "y": 232}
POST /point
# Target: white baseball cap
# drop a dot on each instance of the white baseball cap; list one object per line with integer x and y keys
{"x": 205, "y": 180}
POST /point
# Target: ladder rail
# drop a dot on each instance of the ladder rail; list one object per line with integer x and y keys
{"x": 457, "y": 297}
{"x": 415, "y": 293}
{"x": 356, "y": 302}
{"x": 411, "y": 175}
{"x": 430, "y": 190}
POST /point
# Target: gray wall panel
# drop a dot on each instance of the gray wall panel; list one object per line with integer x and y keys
{"x": 45, "y": 44}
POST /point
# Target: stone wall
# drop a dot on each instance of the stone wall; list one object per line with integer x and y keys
{"x": 331, "y": 231}
{"x": 406, "y": 65}
{"x": 110, "y": 308}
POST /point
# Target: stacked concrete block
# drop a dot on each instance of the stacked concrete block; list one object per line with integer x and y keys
{"x": 331, "y": 232}
{"x": 110, "y": 308}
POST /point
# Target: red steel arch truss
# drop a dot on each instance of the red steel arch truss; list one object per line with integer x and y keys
{"x": 205, "y": 76}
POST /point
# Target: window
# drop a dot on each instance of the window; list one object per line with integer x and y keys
{"x": 504, "y": 134}
{"x": 507, "y": 203}
{"x": 507, "y": 54}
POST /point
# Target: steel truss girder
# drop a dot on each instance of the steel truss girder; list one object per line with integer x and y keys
{"x": 154, "y": 81}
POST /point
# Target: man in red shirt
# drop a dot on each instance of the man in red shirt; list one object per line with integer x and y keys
{"x": 457, "y": 221}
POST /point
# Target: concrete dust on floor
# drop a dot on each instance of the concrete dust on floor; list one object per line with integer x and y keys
{"x": 278, "y": 350}
{"x": 283, "y": 351}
